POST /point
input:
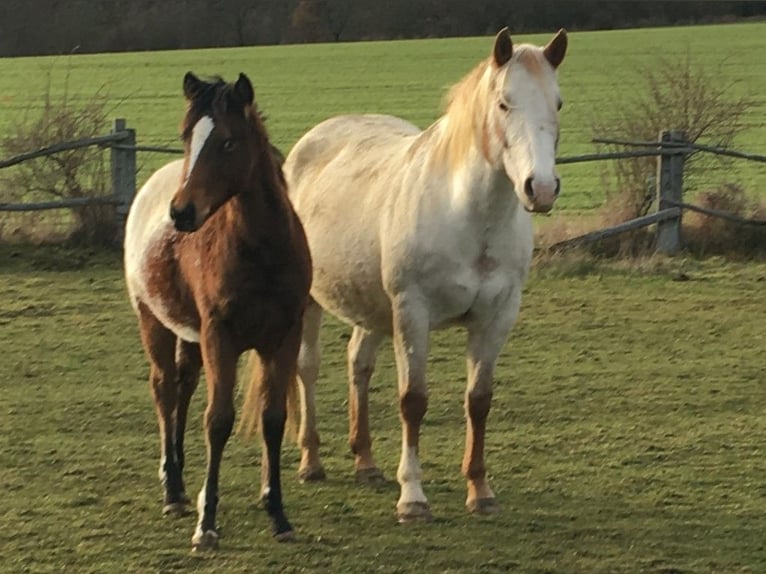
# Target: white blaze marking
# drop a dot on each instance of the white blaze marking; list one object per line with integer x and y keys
{"x": 200, "y": 133}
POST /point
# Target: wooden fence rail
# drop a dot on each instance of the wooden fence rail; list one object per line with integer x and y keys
{"x": 670, "y": 150}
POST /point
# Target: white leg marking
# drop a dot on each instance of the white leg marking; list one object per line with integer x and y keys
{"x": 200, "y": 512}
{"x": 410, "y": 476}
{"x": 200, "y": 133}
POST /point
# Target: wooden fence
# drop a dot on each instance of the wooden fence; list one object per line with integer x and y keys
{"x": 122, "y": 144}
{"x": 671, "y": 150}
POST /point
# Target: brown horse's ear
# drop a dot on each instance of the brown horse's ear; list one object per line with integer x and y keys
{"x": 503, "y": 48}
{"x": 192, "y": 86}
{"x": 556, "y": 48}
{"x": 244, "y": 90}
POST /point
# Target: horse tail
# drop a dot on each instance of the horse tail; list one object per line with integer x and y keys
{"x": 254, "y": 401}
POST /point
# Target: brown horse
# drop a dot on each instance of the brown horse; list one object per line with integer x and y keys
{"x": 216, "y": 263}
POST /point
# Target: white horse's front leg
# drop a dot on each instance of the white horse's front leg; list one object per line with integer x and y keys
{"x": 485, "y": 341}
{"x": 411, "y": 347}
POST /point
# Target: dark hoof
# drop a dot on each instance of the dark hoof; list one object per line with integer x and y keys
{"x": 205, "y": 541}
{"x": 281, "y": 529}
{"x": 287, "y": 536}
{"x": 370, "y": 476}
{"x": 175, "y": 509}
{"x": 178, "y": 507}
{"x": 311, "y": 474}
{"x": 483, "y": 506}
{"x": 413, "y": 512}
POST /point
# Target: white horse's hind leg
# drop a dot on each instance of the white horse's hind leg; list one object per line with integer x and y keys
{"x": 362, "y": 350}
{"x": 484, "y": 345}
{"x": 411, "y": 348}
{"x": 308, "y": 371}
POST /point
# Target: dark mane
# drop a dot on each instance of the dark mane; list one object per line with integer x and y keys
{"x": 217, "y": 264}
{"x": 214, "y": 96}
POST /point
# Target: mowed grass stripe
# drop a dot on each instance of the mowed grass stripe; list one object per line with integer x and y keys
{"x": 626, "y": 435}
{"x": 298, "y": 86}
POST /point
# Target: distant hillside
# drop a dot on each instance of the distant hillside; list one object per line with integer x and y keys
{"x": 35, "y": 27}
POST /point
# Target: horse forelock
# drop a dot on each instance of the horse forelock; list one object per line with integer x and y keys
{"x": 216, "y": 98}
{"x": 469, "y": 102}
{"x": 532, "y": 60}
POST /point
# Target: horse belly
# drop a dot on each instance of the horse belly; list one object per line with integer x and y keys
{"x": 351, "y": 289}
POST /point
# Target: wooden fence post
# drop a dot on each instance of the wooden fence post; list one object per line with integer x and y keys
{"x": 123, "y": 159}
{"x": 670, "y": 174}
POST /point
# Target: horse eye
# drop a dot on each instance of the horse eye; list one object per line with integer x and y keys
{"x": 228, "y": 144}
{"x": 559, "y": 105}
{"x": 503, "y": 106}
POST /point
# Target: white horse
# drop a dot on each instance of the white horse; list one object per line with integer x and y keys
{"x": 415, "y": 230}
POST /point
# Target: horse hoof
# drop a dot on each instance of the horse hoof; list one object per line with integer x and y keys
{"x": 370, "y": 476}
{"x": 311, "y": 474}
{"x": 413, "y": 512}
{"x": 175, "y": 508}
{"x": 205, "y": 541}
{"x": 483, "y": 506}
{"x": 286, "y": 536}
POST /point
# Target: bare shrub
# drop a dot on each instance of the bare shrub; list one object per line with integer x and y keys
{"x": 69, "y": 174}
{"x": 679, "y": 95}
{"x": 707, "y": 235}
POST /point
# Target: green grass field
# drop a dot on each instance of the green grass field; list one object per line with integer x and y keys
{"x": 627, "y": 429}
{"x": 298, "y": 86}
{"x": 627, "y": 435}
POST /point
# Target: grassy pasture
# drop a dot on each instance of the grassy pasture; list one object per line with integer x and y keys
{"x": 298, "y": 86}
{"x": 628, "y": 421}
{"x": 627, "y": 435}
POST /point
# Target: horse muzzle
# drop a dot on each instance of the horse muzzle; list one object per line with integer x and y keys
{"x": 184, "y": 219}
{"x": 540, "y": 196}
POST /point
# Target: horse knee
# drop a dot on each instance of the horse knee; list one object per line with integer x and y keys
{"x": 477, "y": 406}
{"x": 413, "y": 406}
{"x": 308, "y": 362}
{"x": 219, "y": 425}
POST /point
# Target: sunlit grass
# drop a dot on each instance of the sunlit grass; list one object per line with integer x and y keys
{"x": 626, "y": 435}
{"x": 298, "y": 86}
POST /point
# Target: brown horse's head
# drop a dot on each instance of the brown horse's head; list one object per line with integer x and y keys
{"x": 219, "y": 133}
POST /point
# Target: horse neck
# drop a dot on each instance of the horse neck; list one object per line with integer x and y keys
{"x": 480, "y": 188}
{"x": 260, "y": 208}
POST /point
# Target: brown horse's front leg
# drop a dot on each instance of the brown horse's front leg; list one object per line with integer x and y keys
{"x": 220, "y": 363}
{"x": 188, "y": 363}
{"x": 159, "y": 343}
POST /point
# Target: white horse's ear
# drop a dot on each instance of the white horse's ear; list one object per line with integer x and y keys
{"x": 556, "y": 48}
{"x": 503, "y": 48}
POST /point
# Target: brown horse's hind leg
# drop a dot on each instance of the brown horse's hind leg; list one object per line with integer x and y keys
{"x": 362, "y": 348}
{"x": 220, "y": 363}
{"x": 188, "y": 363}
{"x": 159, "y": 344}
{"x": 279, "y": 372}
{"x": 310, "y": 468}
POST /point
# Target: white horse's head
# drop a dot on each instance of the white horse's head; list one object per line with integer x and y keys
{"x": 521, "y": 123}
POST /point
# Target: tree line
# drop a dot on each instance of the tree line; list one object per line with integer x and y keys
{"x": 35, "y": 27}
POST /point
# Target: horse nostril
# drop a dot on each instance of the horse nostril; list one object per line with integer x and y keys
{"x": 558, "y": 187}
{"x": 528, "y": 188}
{"x": 183, "y": 218}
